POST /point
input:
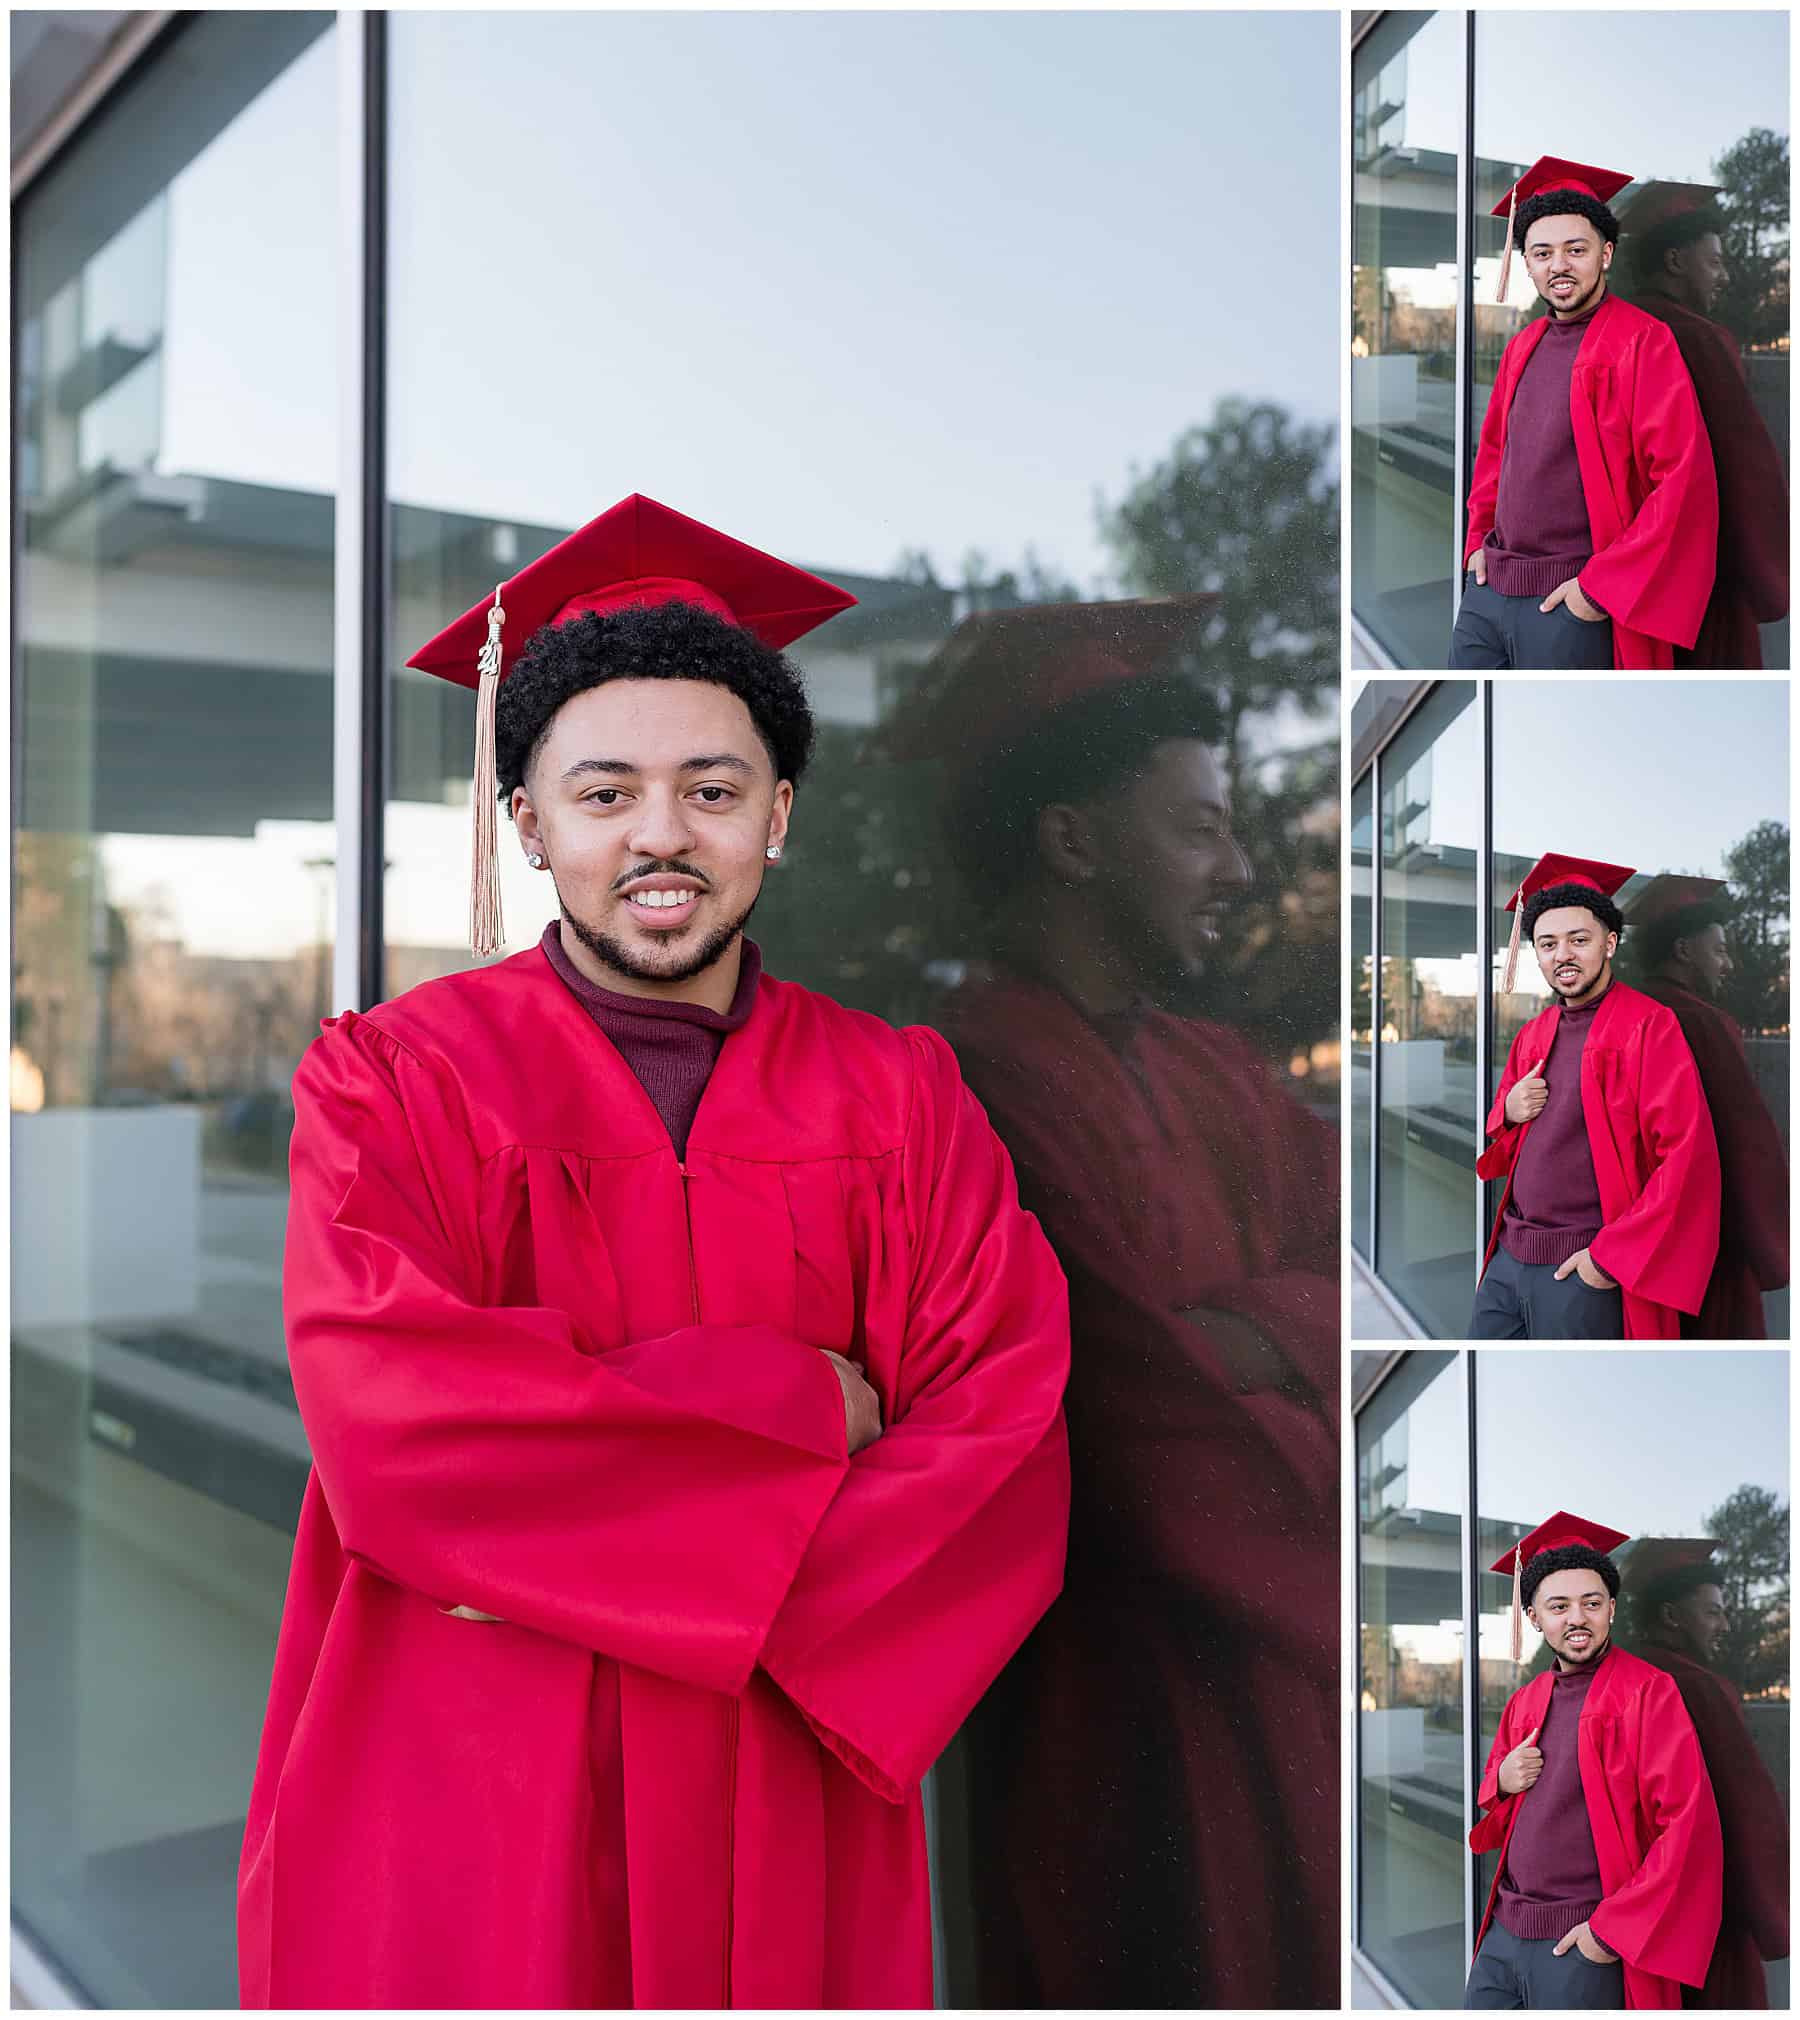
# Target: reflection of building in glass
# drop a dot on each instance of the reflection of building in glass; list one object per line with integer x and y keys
{"x": 1447, "y": 1478}
{"x": 189, "y": 747}
{"x": 1446, "y": 110}
{"x": 1467, "y": 789}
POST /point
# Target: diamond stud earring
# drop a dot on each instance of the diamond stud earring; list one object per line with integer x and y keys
{"x": 773, "y": 852}
{"x": 536, "y": 862}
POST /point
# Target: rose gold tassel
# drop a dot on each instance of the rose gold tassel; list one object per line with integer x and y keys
{"x": 1512, "y": 204}
{"x": 1510, "y": 972}
{"x": 487, "y": 929}
{"x": 1518, "y": 1611}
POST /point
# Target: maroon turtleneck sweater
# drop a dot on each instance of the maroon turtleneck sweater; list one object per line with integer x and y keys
{"x": 1551, "y": 1880}
{"x": 671, "y": 1047}
{"x": 1540, "y": 535}
{"x": 1553, "y": 1209}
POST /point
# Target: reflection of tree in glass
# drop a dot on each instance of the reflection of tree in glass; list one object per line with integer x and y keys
{"x": 1753, "y": 173}
{"x": 1244, "y": 504}
{"x": 1756, "y": 992}
{"x": 1752, "y": 1561}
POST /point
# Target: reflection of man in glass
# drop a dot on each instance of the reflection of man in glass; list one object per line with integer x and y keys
{"x": 1609, "y": 1220}
{"x": 1606, "y": 1890}
{"x": 1153, "y": 1772}
{"x": 1676, "y": 1619}
{"x": 1674, "y": 260}
{"x": 628, "y": 1611}
{"x": 1593, "y": 514}
{"x": 1678, "y": 936}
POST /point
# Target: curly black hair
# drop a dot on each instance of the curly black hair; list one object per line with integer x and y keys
{"x": 1644, "y": 250}
{"x": 1571, "y": 1557}
{"x": 1564, "y": 203}
{"x": 1655, "y": 941}
{"x": 1075, "y": 754}
{"x": 1554, "y": 896}
{"x": 671, "y": 641}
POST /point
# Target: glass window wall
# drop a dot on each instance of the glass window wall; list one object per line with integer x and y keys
{"x": 1408, "y": 91}
{"x": 172, "y": 888}
{"x": 1362, "y": 1008}
{"x": 912, "y": 371}
{"x": 1697, "y": 98}
{"x": 1411, "y": 1489}
{"x": 1687, "y": 1444}
{"x": 1430, "y": 999}
{"x": 1692, "y": 778}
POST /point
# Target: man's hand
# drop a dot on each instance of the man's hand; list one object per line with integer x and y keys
{"x": 1478, "y": 565}
{"x": 1570, "y": 593}
{"x": 862, "y": 1407}
{"x": 1589, "y": 1271}
{"x": 1526, "y": 1099}
{"x": 1590, "y": 1945}
{"x": 1522, "y": 1766}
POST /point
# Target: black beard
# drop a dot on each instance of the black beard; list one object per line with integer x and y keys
{"x": 618, "y": 957}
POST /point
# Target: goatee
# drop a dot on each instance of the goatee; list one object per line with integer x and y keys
{"x": 618, "y": 957}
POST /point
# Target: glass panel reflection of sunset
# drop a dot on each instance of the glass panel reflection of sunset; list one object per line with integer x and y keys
{"x": 1411, "y": 1488}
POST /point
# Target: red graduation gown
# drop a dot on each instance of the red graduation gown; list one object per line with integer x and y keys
{"x": 1646, "y": 475}
{"x": 1753, "y": 1921}
{"x": 552, "y": 1375}
{"x": 1753, "y": 1176}
{"x": 1651, "y": 1809}
{"x": 1655, "y": 1156}
{"x": 1751, "y": 586}
{"x": 1172, "y": 1727}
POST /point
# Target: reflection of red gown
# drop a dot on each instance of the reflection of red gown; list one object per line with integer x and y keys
{"x": 1754, "y": 1921}
{"x": 1752, "y": 583}
{"x": 1152, "y": 1772}
{"x": 1753, "y": 1186}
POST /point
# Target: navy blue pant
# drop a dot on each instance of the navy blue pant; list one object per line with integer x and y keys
{"x": 1509, "y": 1972}
{"x": 1511, "y": 631}
{"x": 1523, "y": 1301}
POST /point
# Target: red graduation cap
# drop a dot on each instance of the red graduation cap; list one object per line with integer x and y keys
{"x": 1550, "y": 171}
{"x": 1665, "y": 895}
{"x": 638, "y": 552}
{"x": 1561, "y": 1529}
{"x": 1603, "y": 879}
{"x": 1655, "y": 1557}
{"x": 1001, "y": 670}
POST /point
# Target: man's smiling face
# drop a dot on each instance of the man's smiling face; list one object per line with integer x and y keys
{"x": 1567, "y": 260}
{"x": 1573, "y": 1611}
{"x": 653, "y": 802}
{"x": 1574, "y": 952}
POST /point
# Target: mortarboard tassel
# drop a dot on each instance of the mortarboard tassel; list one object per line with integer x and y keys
{"x": 1510, "y": 972}
{"x": 487, "y": 929}
{"x": 1518, "y": 1610}
{"x": 1512, "y": 204}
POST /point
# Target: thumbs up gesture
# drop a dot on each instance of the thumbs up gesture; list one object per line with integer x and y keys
{"x": 1523, "y": 1765}
{"x": 1526, "y": 1101}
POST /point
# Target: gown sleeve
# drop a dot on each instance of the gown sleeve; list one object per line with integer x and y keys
{"x": 1484, "y": 485}
{"x": 651, "y": 1503}
{"x": 1663, "y": 1247}
{"x": 1657, "y": 575}
{"x": 946, "y": 1542}
{"x": 1504, "y": 1137}
{"x": 1665, "y": 1918}
{"x": 1489, "y": 1833}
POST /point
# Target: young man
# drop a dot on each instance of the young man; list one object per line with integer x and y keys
{"x": 1606, "y": 1891}
{"x": 1678, "y": 935}
{"x": 1593, "y": 514}
{"x": 1146, "y": 1775}
{"x": 682, "y": 1376}
{"x": 1674, "y": 254}
{"x": 1609, "y": 1220}
{"x": 1676, "y": 1620}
